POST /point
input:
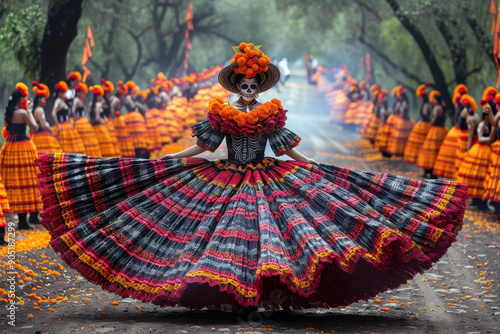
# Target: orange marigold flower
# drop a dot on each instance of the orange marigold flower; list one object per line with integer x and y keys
{"x": 247, "y": 50}
{"x": 252, "y": 118}
{"x": 255, "y": 59}
{"x": 262, "y": 62}
{"x": 237, "y": 70}
{"x": 243, "y": 46}
{"x": 250, "y": 45}
{"x": 251, "y": 53}
{"x": 232, "y": 61}
{"x": 245, "y": 56}
{"x": 241, "y": 61}
{"x": 115, "y": 303}
{"x": 243, "y": 69}
{"x": 238, "y": 55}
{"x": 249, "y": 62}
{"x": 265, "y": 68}
{"x": 240, "y": 119}
{"x": 255, "y": 68}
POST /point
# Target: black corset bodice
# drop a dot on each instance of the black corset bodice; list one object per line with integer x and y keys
{"x": 17, "y": 129}
{"x": 63, "y": 115}
{"x": 439, "y": 121}
{"x": 80, "y": 112}
{"x": 462, "y": 123}
{"x": 245, "y": 148}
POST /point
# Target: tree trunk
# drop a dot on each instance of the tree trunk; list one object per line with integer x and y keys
{"x": 60, "y": 30}
{"x": 457, "y": 49}
{"x": 430, "y": 59}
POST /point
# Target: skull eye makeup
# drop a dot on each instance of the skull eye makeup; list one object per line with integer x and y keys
{"x": 252, "y": 86}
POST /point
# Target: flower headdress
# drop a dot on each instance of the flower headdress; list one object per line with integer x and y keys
{"x": 41, "y": 89}
{"x": 249, "y": 61}
{"x": 468, "y": 101}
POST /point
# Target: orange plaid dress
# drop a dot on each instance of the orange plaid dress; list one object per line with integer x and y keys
{"x": 19, "y": 171}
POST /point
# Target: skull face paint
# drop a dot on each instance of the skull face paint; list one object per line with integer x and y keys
{"x": 248, "y": 88}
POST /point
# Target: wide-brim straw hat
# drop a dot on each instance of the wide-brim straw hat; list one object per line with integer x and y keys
{"x": 227, "y": 78}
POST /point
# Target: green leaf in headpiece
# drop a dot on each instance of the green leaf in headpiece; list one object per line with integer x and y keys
{"x": 256, "y": 47}
{"x": 236, "y": 49}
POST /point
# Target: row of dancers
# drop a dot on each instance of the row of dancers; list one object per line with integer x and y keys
{"x": 129, "y": 122}
{"x": 469, "y": 152}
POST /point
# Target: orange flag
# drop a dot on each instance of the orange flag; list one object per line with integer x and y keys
{"x": 86, "y": 73}
{"x": 85, "y": 57}
{"x": 91, "y": 37}
{"x": 87, "y": 47}
{"x": 493, "y": 9}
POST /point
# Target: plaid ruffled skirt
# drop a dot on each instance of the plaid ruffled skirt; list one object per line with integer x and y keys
{"x": 201, "y": 233}
{"x": 19, "y": 174}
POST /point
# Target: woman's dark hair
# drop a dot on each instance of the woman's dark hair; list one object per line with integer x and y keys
{"x": 439, "y": 99}
{"x": 493, "y": 107}
{"x": 425, "y": 99}
{"x": 11, "y": 106}
{"x": 92, "y": 110}
{"x": 35, "y": 102}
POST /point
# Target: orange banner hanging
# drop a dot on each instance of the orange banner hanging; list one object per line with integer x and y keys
{"x": 86, "y": 73}
{"x": 91, "y": 37}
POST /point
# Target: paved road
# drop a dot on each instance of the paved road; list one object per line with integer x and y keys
{"x": 458, "y": 295}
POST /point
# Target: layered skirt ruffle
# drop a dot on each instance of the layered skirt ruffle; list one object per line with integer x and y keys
{"x": 383, "y": 136}
{"x": 137, "y": 129}
{"x": 197, "y": 233}
{"x": 415, "y": 141}
{"x": 399, "y": 136}
{"x": 430, "y": 149}
{"x": 125, "y": 143}
{"x": 339, "y": 102}
{"x": 462, "y": 145}
{"x": 105, "y": 141}
{"x": 20, "y": 173}
{"x": 473, "y": 169}
{"x": 492, "y": 180}
{"x": 114, "y": 138}
{"x": 87, "y": 134}
{"x": 445, "y": 160}
{"x": 370, "y": 131}
{"x": 45, "y": 142}
{"x": 69, "y": 139}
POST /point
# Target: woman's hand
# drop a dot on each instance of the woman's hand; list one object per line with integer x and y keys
{"x": 312, "y": 161}
{"x": 168, "y": 157}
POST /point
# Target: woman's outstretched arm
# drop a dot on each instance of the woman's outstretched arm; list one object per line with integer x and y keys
{"x": 189, "y": 152}
{"x": 296, "y": 155}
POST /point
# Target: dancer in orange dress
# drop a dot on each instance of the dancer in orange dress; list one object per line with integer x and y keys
{"x": 475, "y": 163}
{"x": 420, "y": 130}
{"x": 17, "y": 159}
{"x": 122, "y": 134}
{"x": 435, "y": 137}
{"x": 108, "y": 88}
{"x": 402, "y": 126}
{"x": 83, "y": 125}
{"x": 68, "y": 137}
{"x": 492, "y": 180}
{"x": 44, "y": 138}
{"x": 445, "y": 160}
{"x": 136, "y": 123}
{"x": 468, "y": 120}
{"x": 99, "y": 123}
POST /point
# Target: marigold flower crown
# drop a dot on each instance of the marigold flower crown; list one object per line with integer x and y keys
{"x": 249, "y": 61}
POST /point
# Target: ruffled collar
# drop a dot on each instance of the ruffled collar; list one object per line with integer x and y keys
{"x": 259, "y": 120}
